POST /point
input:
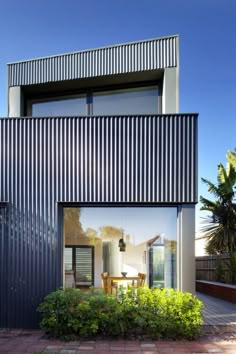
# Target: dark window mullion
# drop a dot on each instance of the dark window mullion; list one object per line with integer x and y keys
{"x": 89, "y": 104}
{"x": 74, "y": 259}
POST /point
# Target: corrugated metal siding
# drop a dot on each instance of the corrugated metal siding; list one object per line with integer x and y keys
{"x": 150, "y": 159}
{"x": 3, "y": 268}
{"x": 126, "y": 58}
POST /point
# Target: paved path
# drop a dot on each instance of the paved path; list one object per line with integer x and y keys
{"x": 218, "y": 312}
{"x": 219, "y": 337}
{"x": 19, "y": 342}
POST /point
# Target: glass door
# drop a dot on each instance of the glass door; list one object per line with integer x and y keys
{"x": 162, "y": 264}
{"x": 157, "y": 266}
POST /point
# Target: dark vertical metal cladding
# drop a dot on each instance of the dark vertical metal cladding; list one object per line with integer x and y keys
{"x": 43, "y": 161}
{"x": 3, "y": 266}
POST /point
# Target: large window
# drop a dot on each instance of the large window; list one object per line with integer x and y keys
{"x": 141, "y": 100}
{"x": 149, "y": 234}
{"x": 131, "y": 101}
{"x": 55, "y": 108}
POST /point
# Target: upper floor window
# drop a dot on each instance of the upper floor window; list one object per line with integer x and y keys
{"x": 130, "y": 101}
{"x": 75, "y": 106}
{"x": 139, "y": 100}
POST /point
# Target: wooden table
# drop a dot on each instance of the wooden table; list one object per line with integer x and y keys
{"x": 112, "y": 278}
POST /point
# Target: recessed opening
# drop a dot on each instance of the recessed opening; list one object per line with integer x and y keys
{"x": 91, "y": 244}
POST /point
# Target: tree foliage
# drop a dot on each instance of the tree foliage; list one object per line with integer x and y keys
{"x": 231, "y": 157}
{"x": 73, "y": 228}
{"x": 220, "y": 224}
{"x": 72, "y": 224}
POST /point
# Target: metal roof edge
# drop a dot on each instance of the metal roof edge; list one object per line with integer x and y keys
{"x": 92, "y": 49}
{"x": 108, "y": 116}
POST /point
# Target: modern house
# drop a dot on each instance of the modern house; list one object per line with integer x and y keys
{"x": 95, "y": 152}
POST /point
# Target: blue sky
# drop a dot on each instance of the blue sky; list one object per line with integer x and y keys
{"x": 207, "y": 29}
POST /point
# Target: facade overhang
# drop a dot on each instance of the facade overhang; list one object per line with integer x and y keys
{"x": 135, "y": 57}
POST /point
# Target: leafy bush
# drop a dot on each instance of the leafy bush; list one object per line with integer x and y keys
{"x": 157, "y": 313}
{"x": 73, "y": 312}
{"x": 163, "y": 313}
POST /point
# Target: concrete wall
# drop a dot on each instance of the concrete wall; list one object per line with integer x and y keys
{"x": 15, "y": 102}
{"x": 186, "y": 248}
{"x": 170, "y": 93}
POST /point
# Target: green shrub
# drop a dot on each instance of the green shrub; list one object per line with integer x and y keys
{"x": 163, "y": 313}
{"x": 58, "y": 311}
{"x": 157, "y": 313}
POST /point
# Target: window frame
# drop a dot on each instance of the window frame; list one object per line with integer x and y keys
{"x": 74, "y": 260}
{"x": 30, "y": 103}
{"x": 88, "y": 94}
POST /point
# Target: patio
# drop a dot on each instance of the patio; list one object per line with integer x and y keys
{"x": 218, "y": 312}
{"x": 219, "y": 336}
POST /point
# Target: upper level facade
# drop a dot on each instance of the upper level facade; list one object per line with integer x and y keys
{"x": 110, "y": 117}
{"x": 131, "y": 78}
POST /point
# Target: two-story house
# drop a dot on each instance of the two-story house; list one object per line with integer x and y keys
{"x": 95, "y": 152}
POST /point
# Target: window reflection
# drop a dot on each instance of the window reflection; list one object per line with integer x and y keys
{"x": 56, "y": 108}
{"x": 149, "y": 234}
{"x": 131, "y": 101}
{"x": 141, "y": 100}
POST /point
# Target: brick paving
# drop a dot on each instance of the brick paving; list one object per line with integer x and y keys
{"x": 32, "y": 342}
{"x": 219, "y": 336}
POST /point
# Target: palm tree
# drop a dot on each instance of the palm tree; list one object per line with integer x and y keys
{"x": 231, "y": 157}
{"x": 220, "y": 225}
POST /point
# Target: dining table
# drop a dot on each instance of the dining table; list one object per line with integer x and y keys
{"x": 121, "y": 279}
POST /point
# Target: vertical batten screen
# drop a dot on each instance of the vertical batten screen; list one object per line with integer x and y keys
{"x": 119, "y": 159}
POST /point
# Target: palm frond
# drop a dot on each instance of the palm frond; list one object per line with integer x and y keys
{"x": 220, "y": 226}
{"x": 231, "y": 157}
{"x": 226, "y": 181}
{"x": 222, "y": 174}
{"x": 212, "y": 188}
{"x": 207, "y": 204}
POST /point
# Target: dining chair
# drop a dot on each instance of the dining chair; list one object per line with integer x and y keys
{"x": 114, "y": 286}
{"x": 143, "y": 277}
{"x": 141, "y": 281}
